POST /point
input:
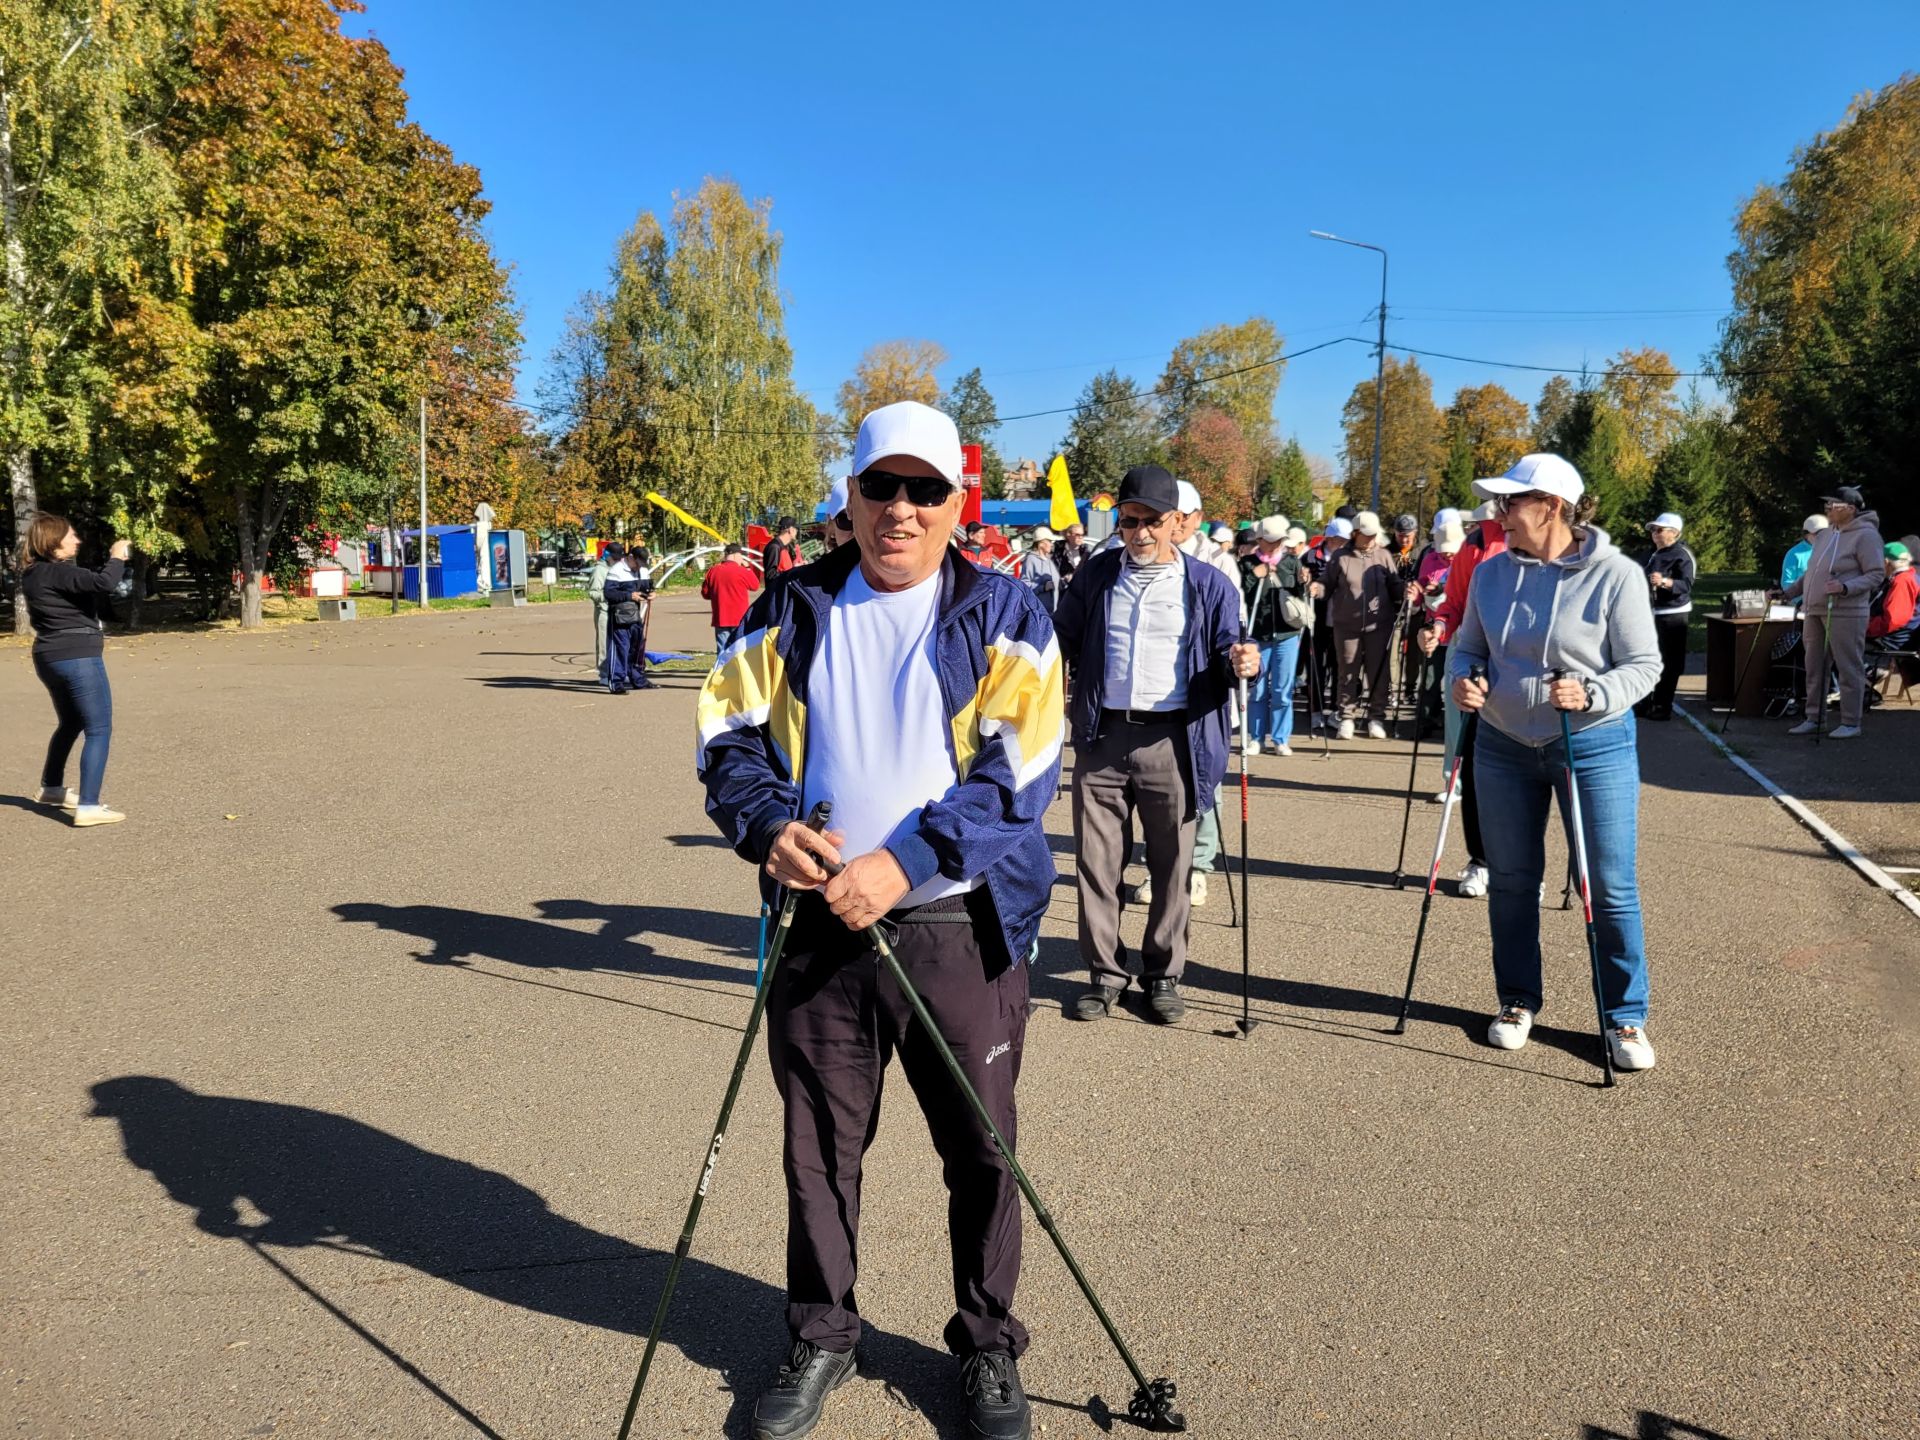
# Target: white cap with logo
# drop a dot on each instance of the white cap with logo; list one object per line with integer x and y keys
{"x": 909, "y": 428}
{"x": 1548, "y": 474}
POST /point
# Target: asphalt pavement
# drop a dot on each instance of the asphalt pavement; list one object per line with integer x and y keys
{"x": 359, "y": 1081}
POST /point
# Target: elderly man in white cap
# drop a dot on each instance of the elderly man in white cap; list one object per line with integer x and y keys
{"x": 1671, "y": 569}
{"x": 922, "y": 696}
{"x": 839, "y": 522}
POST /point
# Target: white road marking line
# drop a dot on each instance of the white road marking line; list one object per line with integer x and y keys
{"x": 1837, "y": 842}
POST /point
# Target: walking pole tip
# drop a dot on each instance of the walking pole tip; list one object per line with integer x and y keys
{"x": 1152, "y": 1407}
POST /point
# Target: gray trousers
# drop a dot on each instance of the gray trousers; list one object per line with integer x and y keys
{"x": 1845, "y": 650}
{"x": 600, "y": 637}
{"x": 1145, "y": 767}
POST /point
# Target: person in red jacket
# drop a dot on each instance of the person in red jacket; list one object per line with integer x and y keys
{"x": 729, "y": 588}
{"x": 1488, "y": 539}
{"x": 1893, "y": 615}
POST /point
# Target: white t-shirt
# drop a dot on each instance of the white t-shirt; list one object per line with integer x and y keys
{"x": 877, "y": 734}
{"x": 1146, "y": 635}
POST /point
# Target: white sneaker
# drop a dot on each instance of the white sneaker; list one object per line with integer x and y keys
{"x": 54, "y": 795}
{"x": 1197, "y": 888}
{"x": 84, "y": 815}
{"x": 1279, "y": 747}
{"x": 1141, "y": 894}
{"x": 1844, "y": 732}
{"x": 1805, "y": 727}
{"x": 1631, "y": 1048}
{"x": 1473, "y": 881}
{"x": 1375, "y": 730}
{"x": 1439, "y": 797}
{"x": 1510, "y": 1028}
{"x": 1345, "y": 732}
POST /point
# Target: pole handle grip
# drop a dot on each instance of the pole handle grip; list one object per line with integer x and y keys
{"x": 1477, "y": 671}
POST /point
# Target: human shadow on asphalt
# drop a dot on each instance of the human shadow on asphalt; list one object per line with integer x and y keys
{"x": 319, "y": 1180}
{"x": 1654, "y": 1426}
{"x": 584, "y": 685}
{"x": 459, "y": 935}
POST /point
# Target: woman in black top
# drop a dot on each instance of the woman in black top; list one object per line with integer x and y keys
{"x": 65, "y": 603}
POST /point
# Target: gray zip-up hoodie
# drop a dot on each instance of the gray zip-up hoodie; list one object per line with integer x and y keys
{"x": 1587, "y": 613}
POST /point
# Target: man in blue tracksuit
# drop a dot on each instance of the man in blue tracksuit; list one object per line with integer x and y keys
{"x": 922, "y": 696}
{"x": 1155, "y": 636}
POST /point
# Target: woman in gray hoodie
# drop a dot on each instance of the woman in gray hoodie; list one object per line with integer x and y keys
{"x": 1560, "y": 597}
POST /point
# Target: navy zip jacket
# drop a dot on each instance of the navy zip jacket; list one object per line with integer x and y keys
{"x": 1213, "y": 628}
{"x": 1676, "y": 562}
{"x": 1000, "y": 684}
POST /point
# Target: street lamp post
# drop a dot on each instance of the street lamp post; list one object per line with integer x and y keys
{"x": 1419, "y": 503}
{"x": 1380, "y": 367}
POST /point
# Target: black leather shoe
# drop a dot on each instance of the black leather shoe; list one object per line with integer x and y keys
{"x": 1097, "y": 1003}
{"x": 996, "y": 1405}
{"x": 1164, "y": 1002}
{"x": 792, "y": 1407}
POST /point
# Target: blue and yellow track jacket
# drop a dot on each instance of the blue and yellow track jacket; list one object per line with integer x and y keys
{"x": 1001, "y": 681}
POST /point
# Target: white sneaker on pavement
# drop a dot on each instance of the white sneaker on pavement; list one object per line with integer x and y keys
{"x": 1345, "y": 732}
{"x": 1141, "y": 894}
{"x": 1279, "y": 747}
{"x": 1375, "y": 730}
{"x": 84, "y": 815}
{"x": 1805, "y": 727}
{"x": 1844, "y": 732}
{"x": 1197, "y": 888}
{"x": 1473, "y": 880}
{"x": 1510, "y": 1028}
{"x": 54, "y": 795}
{"x": 1632, "y": 1050}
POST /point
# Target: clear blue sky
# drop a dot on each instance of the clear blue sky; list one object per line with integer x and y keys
{"x": 1047, "y": 190}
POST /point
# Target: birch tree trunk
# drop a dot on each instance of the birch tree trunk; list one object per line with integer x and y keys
{"x": 26, "y": 499}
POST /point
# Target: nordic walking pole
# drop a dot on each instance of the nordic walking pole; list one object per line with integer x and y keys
{"x": 1246, "y": 1022}
{"x": 760, "y": 951}
{"x": 1477, "y": 672}
{"x": 1574, "y": 823}
{"x": 1406, "y": 819}
{"x": 816, "y": 821}
{"x": 1152, "y": 1403}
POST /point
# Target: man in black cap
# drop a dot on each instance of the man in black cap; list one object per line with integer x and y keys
{"x": 1155, "y": 635}
{"x": 782, "y": 552}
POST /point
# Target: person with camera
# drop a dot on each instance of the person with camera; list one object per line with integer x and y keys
{"x": 629, "y": 587}
{"x": 66, "y": 605}
{"x": 1561, "y": 620}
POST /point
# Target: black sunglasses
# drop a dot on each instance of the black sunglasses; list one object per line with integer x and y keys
{"x": 880, "y": 486}
{"x": 1133, "y": 522}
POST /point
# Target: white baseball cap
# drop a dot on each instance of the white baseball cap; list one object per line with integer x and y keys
{"x": 837, "y": 497}
{"x": 1041, "y": 532}
{"x": 1296, "y": 536}
{"x": 909, "y": 428}
{"x": 1442, "y": 516}
{"x": 1273, "y": 527}
{"x": 1666, "y": 520}
{"x": 1815, "y": 523}
{"x": 1221, "y": 534}
{"x": 1366, "y": 523}
{"x": 1339, "y": 527}
{"x": 1548, "y": 474}
{"x": 1482, "y": 512}
{"x": 1189, "y": 496}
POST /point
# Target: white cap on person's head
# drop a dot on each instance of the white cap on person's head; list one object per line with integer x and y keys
{"x": 1272, "y": 528}
{"x": 1442, "y": 516}
{"x": 1666, "y": 520}
{"x": 1548, "y": 474}
{"x": 1041, "y": 532}
{"x": 1339, "y": 527}
{"x": 1484, "y": 511}
{"x": 909, "y": 428}
{"x": 1221, "y": 534}
{"x": 1189, "y": 496}
{"x": 837, "y": 497}
{"x": 1814, "y": 524}
{"x": 1366, "y": 523}
{"x": 1452, "y": 536}
{"x": 1296, "y": 536}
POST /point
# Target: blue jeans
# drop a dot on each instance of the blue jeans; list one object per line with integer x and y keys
{"x": 82, "y": 703}
{"x": 1270, "y": 697}
{"x": 1515, "y": 783}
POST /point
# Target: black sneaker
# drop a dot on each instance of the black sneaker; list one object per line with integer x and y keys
{"x": 792, "y": 1407}
{"x": 1164, "y": 1002}
{"x": 1097, "y": 1003}
{"x": 996, "y": 1405}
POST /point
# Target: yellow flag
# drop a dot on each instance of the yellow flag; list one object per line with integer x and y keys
{"x": 673, "y": 509}
{"x": 1063, "y": 513}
